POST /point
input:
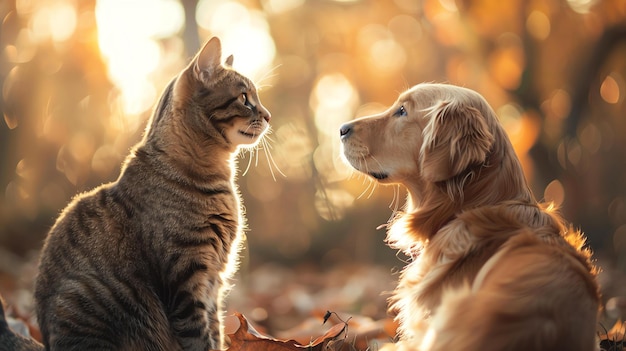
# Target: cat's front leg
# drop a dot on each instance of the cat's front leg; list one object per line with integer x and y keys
{"x": 195, "y": 316}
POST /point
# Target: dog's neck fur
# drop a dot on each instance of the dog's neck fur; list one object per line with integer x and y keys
{"x": 431, "y": 206}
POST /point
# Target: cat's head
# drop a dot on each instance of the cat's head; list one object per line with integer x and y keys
{"x": 215, "y": 103}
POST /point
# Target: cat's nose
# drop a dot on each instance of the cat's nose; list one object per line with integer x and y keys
{"x": 267, "y": 116}
{"x": 345, "y": 131}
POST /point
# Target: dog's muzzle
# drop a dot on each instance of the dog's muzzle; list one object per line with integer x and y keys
{"x": 345, "y": 131}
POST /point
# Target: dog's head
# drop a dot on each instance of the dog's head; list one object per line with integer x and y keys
{"x": 432, "y": 133}
{"x": 445, "y": 145}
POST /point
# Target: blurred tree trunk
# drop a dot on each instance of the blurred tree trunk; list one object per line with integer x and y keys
{"x": 190, "y": 33}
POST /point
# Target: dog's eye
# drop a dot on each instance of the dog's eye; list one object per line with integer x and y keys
{"x": 400, "y": 112}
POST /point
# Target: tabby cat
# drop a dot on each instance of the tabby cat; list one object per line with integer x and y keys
{"x": 142, "y": 263}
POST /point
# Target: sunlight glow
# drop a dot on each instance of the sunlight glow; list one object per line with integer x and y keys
{"x": 429, "y": 339}
{"x": 385, "y": 56}
{"x": 581, "y": 6}
{"x": 331, "y": 204}
{"x": 449, "y": 5}
{"x": 54, "y": 20}
{"x": 244, "y": 34}
{"x": 280, "y": 6}
{"x": 334, "y": 100}
{"x": 294, "y": 142}
{"x": 127, "y": 34}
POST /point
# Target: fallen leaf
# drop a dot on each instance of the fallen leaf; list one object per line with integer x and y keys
{"x": 246, "y": 338}
{"x": 332, "y": 334}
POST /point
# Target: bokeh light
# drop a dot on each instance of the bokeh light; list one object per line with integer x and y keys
{"x": 554, "y": 193}
{"x": 281, "y": 6}
{"x": 612, "y": 88}
{"x": 581, "y": 6}
{"x": 244, "y": 33}
{"x": 128, "y": 34}
{"x": 383, "y": 54}
{"x": 538, "y": 25}
{"x": 54, "y": 20}
{"x": 334, "y": 99}
{"x": 507, "y": 61}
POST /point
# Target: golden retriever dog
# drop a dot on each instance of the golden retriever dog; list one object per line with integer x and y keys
{"x": 491, "y": 268}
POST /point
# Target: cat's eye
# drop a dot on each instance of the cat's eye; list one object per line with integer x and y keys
{"x": 244, "y": 100}
{"x": 400, "y": 112}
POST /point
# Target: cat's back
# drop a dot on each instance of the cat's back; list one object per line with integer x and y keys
{"x": 91, "y": 225}
{"x": 87, "y": 268}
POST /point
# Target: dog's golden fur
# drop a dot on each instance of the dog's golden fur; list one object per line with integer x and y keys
{"x": 491, "y": 268}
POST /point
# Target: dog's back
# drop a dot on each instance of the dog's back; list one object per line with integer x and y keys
{"x": 529, "y": 296}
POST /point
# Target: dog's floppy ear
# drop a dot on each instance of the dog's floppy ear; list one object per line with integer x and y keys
{"x": 456, "y": 137}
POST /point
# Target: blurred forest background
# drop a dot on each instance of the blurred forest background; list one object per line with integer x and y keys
{"x": 79, "y": 79}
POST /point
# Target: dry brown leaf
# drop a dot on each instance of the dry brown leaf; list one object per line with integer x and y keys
{"x": 332, "y": 334}
{"x": 362, "y": 332}
{"x": 246, "y": 338}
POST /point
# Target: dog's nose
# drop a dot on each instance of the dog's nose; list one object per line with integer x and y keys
{"x": 345, "y": 131}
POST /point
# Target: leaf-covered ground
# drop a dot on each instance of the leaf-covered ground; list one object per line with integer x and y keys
{"x": 275, "y": 308}
{"x": 286, "y": 303}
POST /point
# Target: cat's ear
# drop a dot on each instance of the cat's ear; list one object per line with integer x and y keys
{"x": 209, "y": 58}
{"x": 229, "y": 61}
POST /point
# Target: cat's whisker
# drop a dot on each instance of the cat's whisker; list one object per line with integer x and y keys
{"x": 268, "y": 138}
{"x": 261, "y": 87}
{"x": 267, "y": 157}
{"x": 269, "y": 74}
{"x": 256, "y": 159}
{"x": 270, "y": 159}
{"x": 249, "y": 163}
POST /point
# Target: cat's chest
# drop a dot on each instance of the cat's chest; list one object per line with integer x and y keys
{"x": 221, "y": 209}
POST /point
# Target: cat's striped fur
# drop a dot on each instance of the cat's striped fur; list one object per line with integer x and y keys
{"x": 142, "y": 263}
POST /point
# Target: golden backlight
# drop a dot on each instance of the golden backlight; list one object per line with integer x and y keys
{"x": 80, "y": 79}
{"x": 132, "y": 36}
{"x": 128, "y": 35}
